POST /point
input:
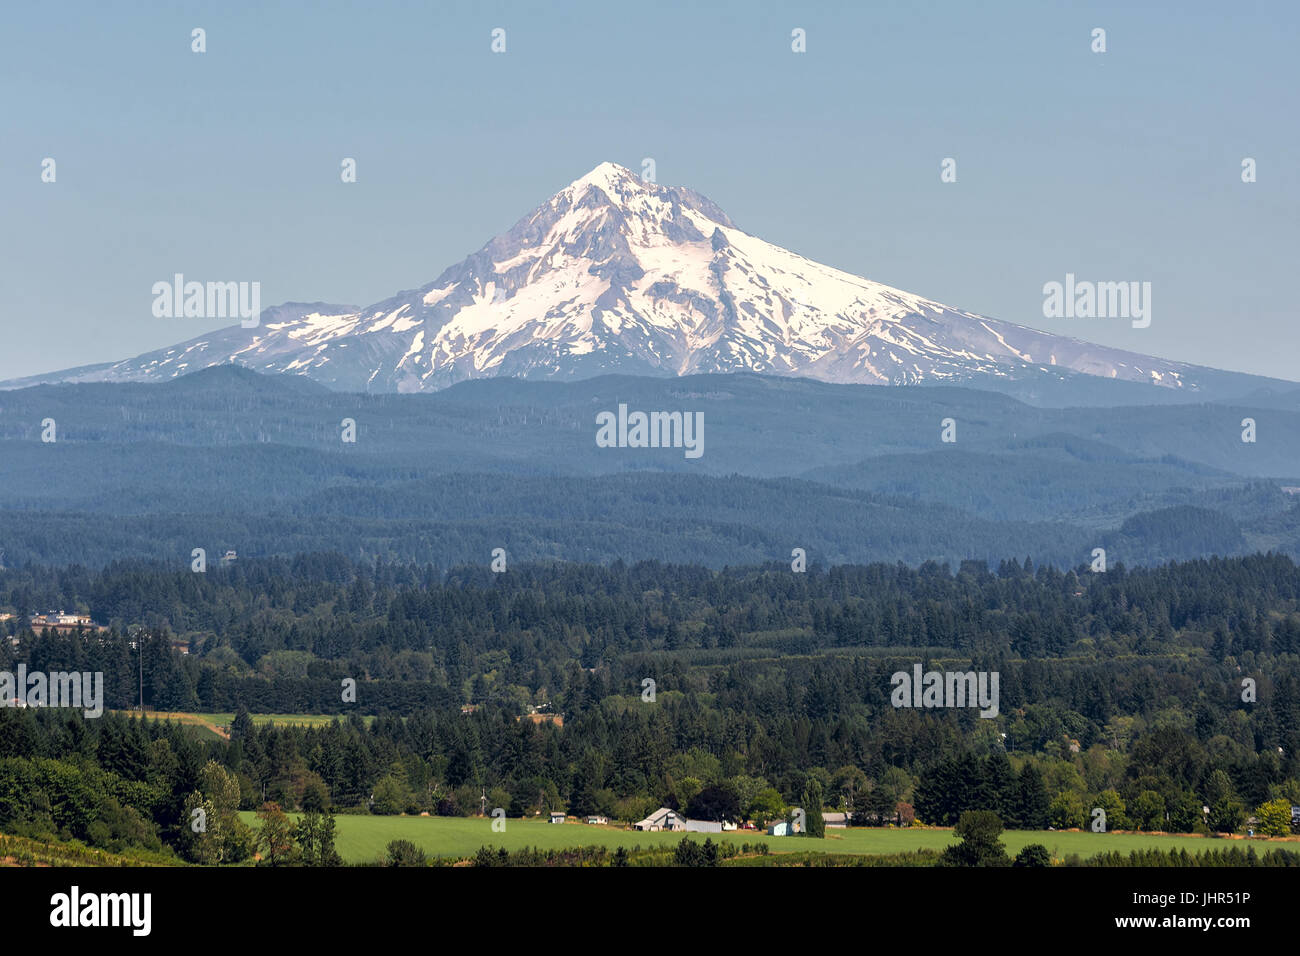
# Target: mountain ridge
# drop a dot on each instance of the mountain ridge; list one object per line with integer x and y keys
{"x": 613, "y": 274}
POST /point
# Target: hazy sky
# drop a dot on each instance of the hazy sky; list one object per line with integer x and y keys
{"x": 225, "y": 165}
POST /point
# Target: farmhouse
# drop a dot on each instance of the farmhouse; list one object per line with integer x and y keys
{"x": 556, "y": 817}
{"x": 56, "y": 618}
{"x": 787, "y": 827}
{"x": 661, "y": 819}
{"x": 62, "y": 623}
{"x": 666, "y": 819}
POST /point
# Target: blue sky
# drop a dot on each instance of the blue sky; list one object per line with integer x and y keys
{"x": 225, "y": 165}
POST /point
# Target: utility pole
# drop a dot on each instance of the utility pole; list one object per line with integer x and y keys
{"x": 139, "y": 643}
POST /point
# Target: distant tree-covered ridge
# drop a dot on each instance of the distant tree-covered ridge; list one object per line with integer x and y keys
{"x": 227, "y": 458}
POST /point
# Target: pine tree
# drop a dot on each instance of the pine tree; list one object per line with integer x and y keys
{"x": 1032, "y": 801}
{"x": 814, "y": 823}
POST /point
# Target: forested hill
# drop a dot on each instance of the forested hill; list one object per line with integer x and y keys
{"x": 1121, "y": 690}
{"x": 754, "y": 425}
{"x": 228, "y": 459}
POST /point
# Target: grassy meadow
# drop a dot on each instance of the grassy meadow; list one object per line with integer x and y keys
{"x": 364, "y": 838}
{"x": 292, "y": 720}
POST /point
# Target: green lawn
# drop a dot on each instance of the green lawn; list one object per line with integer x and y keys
{"x": 361, "y": 838}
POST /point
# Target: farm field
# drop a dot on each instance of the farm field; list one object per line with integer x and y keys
{"x": 205, "y": 728}
{"x": 217, "y": 725}
{"x": 296, "y": 720}
{"x": 364, "y": 838}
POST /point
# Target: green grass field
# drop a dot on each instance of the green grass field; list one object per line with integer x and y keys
{"x": 297, "y": 720}
{"x": 215, "y": 726}
{"x": 364, "y": 838}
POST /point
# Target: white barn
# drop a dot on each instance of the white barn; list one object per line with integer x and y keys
{"x": 661, "y": 819}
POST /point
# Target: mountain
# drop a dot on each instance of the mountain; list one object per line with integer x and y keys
{"x": 613, "y": 274}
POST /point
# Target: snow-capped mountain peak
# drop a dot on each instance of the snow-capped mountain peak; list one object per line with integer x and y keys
{"x": 614, "y": 273}
{"x": 609, "y": 178}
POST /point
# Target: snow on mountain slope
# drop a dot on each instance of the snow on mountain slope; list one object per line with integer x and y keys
{"x": 613, "y": 274}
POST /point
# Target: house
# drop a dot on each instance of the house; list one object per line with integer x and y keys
{"x": 672, "y": 821}
{"x": 598, "y": 821}
{"x": 556, "y": 817}
{"x": 62, "y": 623}
{"x": 836, "y": 820}
{"x": 661, "y": 819}
{"x": 61, "y": 619}
{"x": 229, "y": 556}
{"x": 787, "y": 827}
